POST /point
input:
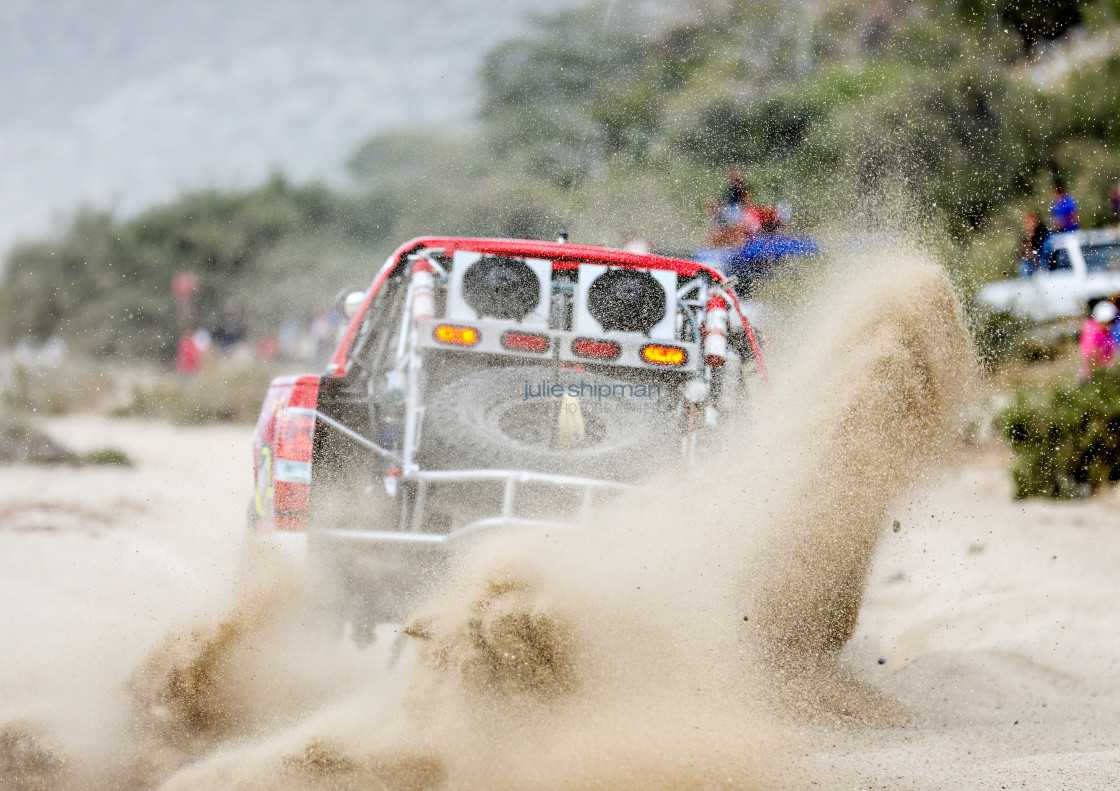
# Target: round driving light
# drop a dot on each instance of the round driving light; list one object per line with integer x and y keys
{"x": 351, "y": 302}
{"x": 502, "y": 288}
{"x": 695, "y": 390}
{"x": 626, "y": 300}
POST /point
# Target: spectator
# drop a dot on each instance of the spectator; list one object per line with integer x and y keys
{"x": 751, "y": 217}
{"x": 1035, "y": 234}
{"x": 726, "y": 229}
{"x": 1063, "y": 211}
{"x": 188, "y": 355}
{"x": 1098, "y": 348}
{"x": 733, "y": 225}
{"x": 231, "y": 327}
{"x": 184, "y": 290}
{"x": 735, "y": 189}
{"x": 1114, "y": 198}
{"x": 268, "y": 348}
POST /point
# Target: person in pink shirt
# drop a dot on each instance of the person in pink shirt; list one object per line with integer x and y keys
{"x": 1098, "y": 348}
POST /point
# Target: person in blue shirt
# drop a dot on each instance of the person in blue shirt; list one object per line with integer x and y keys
{"x": 1114, "y": 198}
{"x": 1063, "y": 211}
{"x": 1035, "y": 234}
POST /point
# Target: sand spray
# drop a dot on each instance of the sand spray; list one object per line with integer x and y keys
{"x": 674, "y": 645}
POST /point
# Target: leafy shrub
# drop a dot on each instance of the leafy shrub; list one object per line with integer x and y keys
{"x": 104, "y": 285}
{"x": 104, "y": 457}
{"x": 21, "y": 442}
{"x": 219, "y": 393}
{"x": 735, "y": 130}
{"x": 1040, "y": 20}
{"x": 58, "y": 390}
{"x": 1066, "y": 442}
{"x": 998, "y": 335}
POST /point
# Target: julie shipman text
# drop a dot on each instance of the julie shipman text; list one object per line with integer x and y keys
{"x": 582, "y": 389}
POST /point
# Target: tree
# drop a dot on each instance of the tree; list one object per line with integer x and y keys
{"x": 1041, "y": 20}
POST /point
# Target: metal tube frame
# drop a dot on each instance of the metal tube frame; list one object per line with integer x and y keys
{"x": 345, "y": 431}
{"x": 413, "y": 483}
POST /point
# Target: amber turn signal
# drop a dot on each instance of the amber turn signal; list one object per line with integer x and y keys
{"x": 461, "y": 336}
{"x": 664, "y": 355}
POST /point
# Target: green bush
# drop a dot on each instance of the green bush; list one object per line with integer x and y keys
{"x": 998, "y": 335}
{"x": 74, "y": 386}
{"x": 219, "y": 393}
{"x": 22, "y": 442}
{"x": 104, "y": 286}
{"x": 1066, "y": 442}
{"x": 104, "y": 457}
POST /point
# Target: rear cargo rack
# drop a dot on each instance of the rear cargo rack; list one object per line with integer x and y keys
{"x": 423, "y": 479}
{"x": 511, "y": 478}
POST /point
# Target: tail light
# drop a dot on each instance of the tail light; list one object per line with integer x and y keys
{"x": 604, "y": 350}
{"x": 525, "y": 342}
{"x": 460, "y": 336}
{"x": 295, "y": 435}
{"x": 664, "y": 355}
{"x": 285, "y": 447}
{"x": 295, "y": 438}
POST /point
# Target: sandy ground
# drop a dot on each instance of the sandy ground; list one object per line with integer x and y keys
{"x": 996, "y": 622}
{"x": 1000, "y": 632}
{"x": 96, "y": 563}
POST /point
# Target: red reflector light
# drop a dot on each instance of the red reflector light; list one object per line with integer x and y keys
{"x": 604, "y": 350}
{"x": 525, "y": 342}
{"x": 294, "y": 437}
{"x": 664, "y": 355}
{"x": 462, "y": 336}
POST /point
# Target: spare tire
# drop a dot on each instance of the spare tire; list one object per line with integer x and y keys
{"x": 498, "y": 418}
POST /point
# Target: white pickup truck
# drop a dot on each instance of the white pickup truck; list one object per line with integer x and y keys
{"x": 1077, "y": 268}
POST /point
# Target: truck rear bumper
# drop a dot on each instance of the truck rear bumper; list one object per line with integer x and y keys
{"x": 445, "y": 542}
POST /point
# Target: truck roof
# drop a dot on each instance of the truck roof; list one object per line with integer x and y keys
{"x": 1093, "y": 238}
{"x": 564, "y": 255}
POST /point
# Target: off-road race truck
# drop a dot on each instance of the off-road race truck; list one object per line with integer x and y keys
{"x": 488, "y": 384}
{"x": 1078, "y": 268}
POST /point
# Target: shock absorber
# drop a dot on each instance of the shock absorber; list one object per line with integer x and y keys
{"x": 423, "y": 290}
{"x": 715, "y": 332}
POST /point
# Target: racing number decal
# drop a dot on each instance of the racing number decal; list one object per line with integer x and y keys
{"x": 265, "y": 491}
{"x": 264, "y": 481}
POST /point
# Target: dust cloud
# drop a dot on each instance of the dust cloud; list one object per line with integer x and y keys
{"x": 681, "y": 643}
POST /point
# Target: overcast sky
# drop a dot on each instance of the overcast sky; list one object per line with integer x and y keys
{"x": 123, "y": 103}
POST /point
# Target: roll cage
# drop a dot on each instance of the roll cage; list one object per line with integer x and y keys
{"x": 383, "y": 335}
{"x": 562, "y": 255}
